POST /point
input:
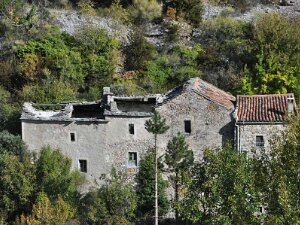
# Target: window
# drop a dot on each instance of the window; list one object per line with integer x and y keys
{"x": 131, "y": 128}
{"x": 260, "y": 141}
{"x": 83, "y": 165}
{"x": 187, "y": 126}
{"x": 132, "y": 159}
{"x": 72, "y": 137}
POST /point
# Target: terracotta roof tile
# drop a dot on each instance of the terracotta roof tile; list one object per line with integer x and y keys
{"x": 262, "y": 108}
{"x": 211, "y": 92}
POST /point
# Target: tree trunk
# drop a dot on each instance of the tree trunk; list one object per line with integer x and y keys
{"x": 176, "y": 195}
{"x": 156, "y": 189}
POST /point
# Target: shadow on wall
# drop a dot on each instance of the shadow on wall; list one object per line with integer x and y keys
{"x": 227, "y": 133}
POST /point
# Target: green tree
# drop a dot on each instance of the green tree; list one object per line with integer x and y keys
{"x": 156, "y": 125}
{"x": 100, "y": 54}
{"x": 17, "y": 185}
{"x": 179, "y": 159}
{"x": 146, "y": 188}
{"x": 54, "y": 176}
{"x": 12, "y": 144}
{"x": 282, "y": 178}
{"x": 49, "y": 92}
{"x": 146, "y": 10}
{"x": 276, "y": 47}
{"x": 139, "y": 52}
{"x": 114, "y": 203}
{"x": 223, "y": 190}
{"x": 9, "y": 113}
{"x": 172, "y": 68}
{"x": 191, "y": 10}
{"x": 46, "y": 213}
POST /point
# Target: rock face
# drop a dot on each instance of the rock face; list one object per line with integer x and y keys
{"x": 71, "y": 21}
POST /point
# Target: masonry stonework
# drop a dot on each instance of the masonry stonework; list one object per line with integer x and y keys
{"x": 107, "y": 133}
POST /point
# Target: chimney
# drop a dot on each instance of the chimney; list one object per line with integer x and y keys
{"x": 107, "y": 96}
{"x": 290, "y": 105}
{"x": 106, "y": 91}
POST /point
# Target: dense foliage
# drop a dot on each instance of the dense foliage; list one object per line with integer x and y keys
{"x": 40, "y": 63}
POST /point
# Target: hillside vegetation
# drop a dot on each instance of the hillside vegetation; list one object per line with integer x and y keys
{"x": 139, "y": 47}
{"x": 68, "y": 50}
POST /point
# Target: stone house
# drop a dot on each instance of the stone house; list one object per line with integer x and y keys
{"x": 259, "y": 119}
{"x": 111, "y": 133}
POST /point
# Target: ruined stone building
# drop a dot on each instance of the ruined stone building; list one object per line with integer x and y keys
{"x": 111, "y": 133}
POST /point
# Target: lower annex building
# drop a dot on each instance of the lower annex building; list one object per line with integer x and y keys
{"x": 111, "y": 133}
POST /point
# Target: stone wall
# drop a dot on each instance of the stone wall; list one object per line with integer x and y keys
{"x": 106, "y": 144}
{"x": 247, "y": 137}
{"x": 211, "y": 124}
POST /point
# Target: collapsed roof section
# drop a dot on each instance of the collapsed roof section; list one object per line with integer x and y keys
{"x": 128, "y": 106}
{"x": 88, "y": 111}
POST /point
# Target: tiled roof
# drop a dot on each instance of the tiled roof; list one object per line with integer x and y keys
{"x": 211, "y": 92}
{"x": 262, "y": 108}
{"x": 204, "y": 89}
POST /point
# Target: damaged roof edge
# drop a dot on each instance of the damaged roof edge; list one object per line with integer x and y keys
{"x": 31, "y": 113}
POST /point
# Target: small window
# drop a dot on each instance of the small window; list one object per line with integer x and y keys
{"x": 187, "y": 126}
{"x": 132, "y": 159}
{"x": 260, "y": 141}
{"x": 83, "y": 165}
{"x": 131, "y": 128}
{"x": 72, "y": 137}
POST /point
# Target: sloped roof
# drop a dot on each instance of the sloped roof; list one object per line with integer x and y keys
{"x": 206, "y": 90}
{"x": 262, "y": 108}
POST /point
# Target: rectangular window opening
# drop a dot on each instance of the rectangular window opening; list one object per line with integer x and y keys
{"x": 131, "y": 128}
{"x": 83, "y": 165}
{"x": 260, "y": 141}
{"x": 72, "y": 136}
{"x": 187, "y": 126}
{"x": 132, "y": 159}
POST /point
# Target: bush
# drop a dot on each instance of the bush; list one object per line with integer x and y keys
{"x": 139, "y": 52}
{"x": 114, "y": 203}
{"x": 49, "y": 92}
{"x": 9, "y": 113}
{"x": 12, "y": 144}
{"x": 145, "y": 10}
{"x": 191, "y": 10}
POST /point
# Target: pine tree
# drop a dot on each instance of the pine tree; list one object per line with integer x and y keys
{"x": 156, "y": 125}
{"x": 179, "y": 159}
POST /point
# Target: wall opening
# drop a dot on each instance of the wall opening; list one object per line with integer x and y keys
{"x": 259, "y": 142}
{"x": 132, "y": 159}
{"x": 131, "y": 128}
{"x": 83, "y": 165}
{"x": 187, "y": 126}
{"x": 72, "y": 137}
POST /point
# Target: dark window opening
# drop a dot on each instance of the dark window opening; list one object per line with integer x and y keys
{"x": 187, "y": 126}
{"x": 260, "y": 141}
{"x": 72, "y": 136}
{"x": 131, "y": 128}
{"x": 87, "y": 111}
{"x": 83, "y": 165}
{"x": 132, "y": 159}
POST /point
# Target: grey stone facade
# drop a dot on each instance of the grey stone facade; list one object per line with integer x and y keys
{"x": 255, "y": 138}
{"x": 100, "y": 132}
{"x": 111, "y": 133}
